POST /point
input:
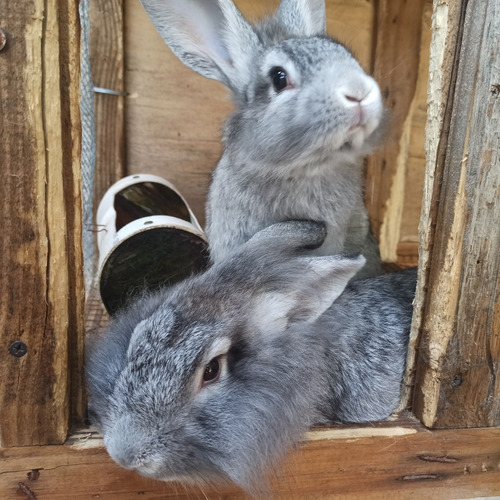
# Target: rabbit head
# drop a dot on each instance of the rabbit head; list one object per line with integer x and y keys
{"x": 299, "y": 94}
{"x": 214, "y": 379}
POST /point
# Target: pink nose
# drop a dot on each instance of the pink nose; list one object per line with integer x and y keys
{"x": 352, "y": 99}
{"x": 359, "y": 93}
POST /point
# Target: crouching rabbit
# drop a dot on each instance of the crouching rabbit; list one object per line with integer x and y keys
{"x": 217, "y": 377}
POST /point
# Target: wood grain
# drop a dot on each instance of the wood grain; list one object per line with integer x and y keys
{"x": 404, "y": 462}
{"x": 458, "y": 363}
{"x": 400, "y": 67}
{"x": 445, "y": 36}
{"x": 69, "y": 40}
{"x": 107, "y": 61}
{"x": 406, "y": 236}
{"x": 42, "y": 295}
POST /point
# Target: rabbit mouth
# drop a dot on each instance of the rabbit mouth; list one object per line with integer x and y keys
{"x": 361, "y": 130}
{"x": 359, "y": 118}
{"x": 364, "y": 118}
{"x": 357, "y": 136}
{"x": 154, "y": 473}
{"x": 193, "y": 478}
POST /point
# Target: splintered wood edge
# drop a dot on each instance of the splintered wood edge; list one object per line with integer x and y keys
{"x": 396, "y": 425}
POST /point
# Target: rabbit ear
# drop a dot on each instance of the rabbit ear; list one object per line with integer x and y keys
{"x": 209, "y": 36}
{"x": 303, "y": 17}
{"x": 316, "y": 282}
{"x": 290, "y": 235}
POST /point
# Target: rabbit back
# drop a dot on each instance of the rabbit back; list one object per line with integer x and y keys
{"x": 370, "y": 325}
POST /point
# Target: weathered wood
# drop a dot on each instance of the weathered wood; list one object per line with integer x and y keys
{"x": 442, "y": 55}
{"x": 41, "y": 283}
{"x": 174, "y": 116}
{"x": 406, "y": 237}
{"x": 367, "y": 462}
{"x": 108, "y": 70}
{"x": 400, "y": 67}
{"x": 70, "y": 65}
{"x": 458, "y": 307}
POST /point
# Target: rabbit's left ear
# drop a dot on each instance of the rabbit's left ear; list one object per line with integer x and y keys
{"x": 209, "y": 36}
{"x": 303, "y": 17}
{"x": 305, "y": 293}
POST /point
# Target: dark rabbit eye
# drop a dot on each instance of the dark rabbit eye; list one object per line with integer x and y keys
{"x": 280, "y": 79}
{"x": 212, "y": 371}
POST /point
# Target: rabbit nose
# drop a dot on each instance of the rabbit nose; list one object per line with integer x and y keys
{"x": 123, "y": 455}
{"x": 354, "y": 97}
{"x": 372, "y": 95}
{"x": 122, "y": 445}
{"x": 351, "y": 97}
{"x": 363, "y": 91}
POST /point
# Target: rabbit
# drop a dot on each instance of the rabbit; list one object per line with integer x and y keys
{"x": 215, "y": 378}
{"x": 306, "y": 115}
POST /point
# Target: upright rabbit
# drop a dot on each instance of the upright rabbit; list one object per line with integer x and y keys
{"x": 306, "y": 114}
{"x": 215, "y": 378}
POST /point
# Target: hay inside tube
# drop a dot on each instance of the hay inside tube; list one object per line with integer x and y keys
{"x": 148, "y": 237}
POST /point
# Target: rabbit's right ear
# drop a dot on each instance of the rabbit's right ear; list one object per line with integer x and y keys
{"x": 290, "y": 235}
{"x": 303, "y": 17}
{"x": 209, "y": 36}
{"x": 309, "y": 286}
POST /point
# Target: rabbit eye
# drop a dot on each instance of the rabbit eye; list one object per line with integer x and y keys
{"x": 279, "y": 78}
{"x": 212, "y": 371}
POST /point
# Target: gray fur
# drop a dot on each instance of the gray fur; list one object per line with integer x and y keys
{"x": 287, "y": 155}
{"x": 296, "y": 349}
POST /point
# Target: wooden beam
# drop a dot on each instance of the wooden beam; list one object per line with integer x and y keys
{"x": 401, "y": 460}
{"x": 41, "y": 283}
{"x": 457, "y": 305}
{"x": 441, "y": 79}
{"x": 397, "y": 69}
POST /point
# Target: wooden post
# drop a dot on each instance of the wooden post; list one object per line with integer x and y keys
{"x": 41, "y": 282}
{"x": 457, "y": 303}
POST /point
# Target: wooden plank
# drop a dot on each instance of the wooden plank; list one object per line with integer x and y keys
{"x": 445, "y": 33}
{"x": 400, "y": 69}
{"x": 365, "y": 462}
{"x": 41, "y": 299}
{"x": 406, "y": 235}
{"x": 458, "y": 363}
{"x": 107, "y": 61}
{"x": 174, "y": 116}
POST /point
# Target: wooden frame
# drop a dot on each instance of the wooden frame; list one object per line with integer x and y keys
{"x": 399, "y": 460}
{"x": 42, "y": 287}
{"x": 457, "y": 315}
{"x": 454, "y": 381}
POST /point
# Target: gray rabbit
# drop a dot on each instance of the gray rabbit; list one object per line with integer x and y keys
{"x": 306, "y": 114}
{"x": 217, "y": 377}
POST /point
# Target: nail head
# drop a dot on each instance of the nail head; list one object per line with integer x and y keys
{"x": 18, "y": 349}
